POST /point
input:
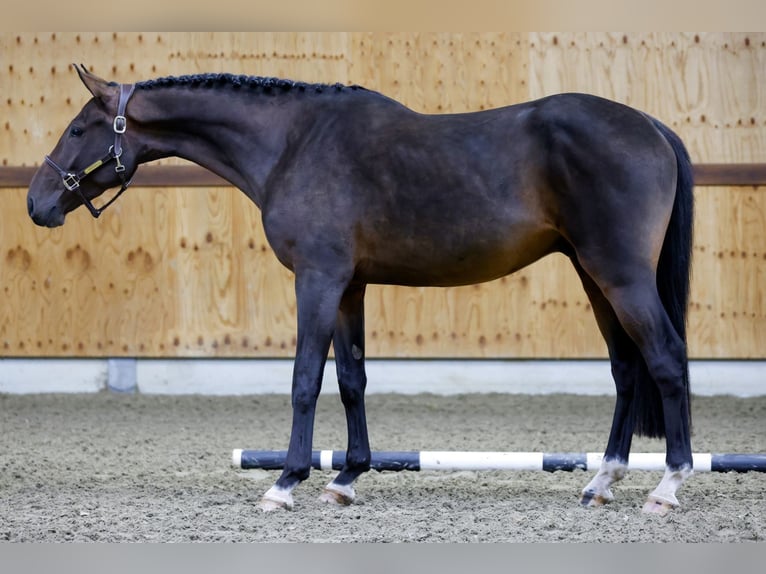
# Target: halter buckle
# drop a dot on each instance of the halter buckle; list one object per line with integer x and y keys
{"x": 71, "y": 181}
{"x": 120, "y": 124}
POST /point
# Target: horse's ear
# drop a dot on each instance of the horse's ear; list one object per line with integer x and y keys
{"x": 98, "y": 87}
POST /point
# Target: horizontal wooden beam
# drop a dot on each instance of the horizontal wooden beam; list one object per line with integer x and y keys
{"x": 730, "y": 174}
{"x": 705, "y": 174}
{"x": 146, "y": 176}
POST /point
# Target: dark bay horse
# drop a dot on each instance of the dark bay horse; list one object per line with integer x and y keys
{"x": 355, "y": 188}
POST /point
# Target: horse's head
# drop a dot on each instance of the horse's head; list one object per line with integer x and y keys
{"x": 93, "y": 154}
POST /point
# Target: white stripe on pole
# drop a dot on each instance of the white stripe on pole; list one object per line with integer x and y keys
{"x": 594, "y": 459}
{"x": 446, "y": 460}
{"x": 651, "y": 461}
{"x": 646, "y": 461}
{"x": 325, "y": 460}
{"x": 236, "y": 457}
{"x": 703, "y": 461}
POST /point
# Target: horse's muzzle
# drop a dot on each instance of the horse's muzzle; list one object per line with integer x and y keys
{"x": 50, "y": 217}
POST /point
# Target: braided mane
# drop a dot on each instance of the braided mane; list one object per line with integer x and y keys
{"x": 262, "y": 84}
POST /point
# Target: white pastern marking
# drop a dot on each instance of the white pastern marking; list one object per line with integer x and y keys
{"x": 670, "y": 483}
{"x": 345, "y": 490}
{"x": 279, "y": 495}
{"x": 611, "y": 471}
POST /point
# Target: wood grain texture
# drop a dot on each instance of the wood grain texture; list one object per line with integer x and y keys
{"x": 186, "y": 271}
{"x": 709, "y": 87}
{"x": 727, "y": 314}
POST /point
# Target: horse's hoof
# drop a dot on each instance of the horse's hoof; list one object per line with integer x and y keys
{"x": 275, "y": 499}
{"x": 594, "y": 499}
{"x": 269, "y": 505}
{"x": 658, "y": 506}
{"x": 338, "y": 495}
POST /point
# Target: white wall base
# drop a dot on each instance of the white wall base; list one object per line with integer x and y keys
{"x": 52, "y": 375}
{"x": 443, "y": 377}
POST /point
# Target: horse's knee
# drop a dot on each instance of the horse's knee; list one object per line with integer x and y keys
{"x": 352, "y": 389}
{"x": 304, "y": 399}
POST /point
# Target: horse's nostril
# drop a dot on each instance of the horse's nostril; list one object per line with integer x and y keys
{"x": 30, "y": 205}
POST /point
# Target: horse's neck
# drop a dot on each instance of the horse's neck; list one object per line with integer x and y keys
{"x": 218, "y": 130}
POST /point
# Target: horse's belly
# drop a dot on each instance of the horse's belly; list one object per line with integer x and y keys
{"x": 426, "y": 264}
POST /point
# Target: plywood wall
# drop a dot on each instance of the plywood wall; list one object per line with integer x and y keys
{"x": 188, "y": 272}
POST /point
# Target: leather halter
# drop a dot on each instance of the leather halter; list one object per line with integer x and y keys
{"x": 71, "y": 180}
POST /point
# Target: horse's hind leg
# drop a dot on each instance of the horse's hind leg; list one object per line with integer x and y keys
{"x": 318, "y": 295}
{"x": 627, "y": 365}
{"x": 632, "y": 293}
{"x": 348, "y": 343}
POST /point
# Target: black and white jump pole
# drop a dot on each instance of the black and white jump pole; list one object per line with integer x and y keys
{"x": 467, "y": 460}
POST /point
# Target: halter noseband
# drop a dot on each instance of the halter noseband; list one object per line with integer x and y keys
{"x": 72, "y": 180}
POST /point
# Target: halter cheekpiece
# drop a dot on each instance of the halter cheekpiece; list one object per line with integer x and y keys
{"x": 72, "y": 180}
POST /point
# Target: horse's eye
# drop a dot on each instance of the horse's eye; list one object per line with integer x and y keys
{"x": 75, "y": 132}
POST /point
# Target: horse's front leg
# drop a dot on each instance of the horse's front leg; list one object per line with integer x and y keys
{"x": 348, "y": 343}
{"x": 317, "y": 295}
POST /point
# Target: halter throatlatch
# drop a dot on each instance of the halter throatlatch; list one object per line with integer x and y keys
{"x": 72, "y": 180}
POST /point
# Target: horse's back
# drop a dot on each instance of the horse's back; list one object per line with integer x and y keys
{"x": 454, "y": 199}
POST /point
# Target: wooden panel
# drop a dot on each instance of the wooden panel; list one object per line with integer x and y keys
{"x": 41, "y": 92}
{"x": 189, "y": 278}
{"x": 163, "y": 272}
{"x": 436, "y": 73}
{"x": 727, "y": 315}
{"x": 188, "y": 272}
{"x": 709, "y": 87}
{"x": 539, "y": 312}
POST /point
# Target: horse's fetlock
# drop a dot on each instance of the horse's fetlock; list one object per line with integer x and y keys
{"x": 361, "y": 463}
{"x": 297, "y": 475}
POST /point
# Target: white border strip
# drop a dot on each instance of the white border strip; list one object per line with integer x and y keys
{"x": 19, "y": 376}
{"x": 405, "y": 376}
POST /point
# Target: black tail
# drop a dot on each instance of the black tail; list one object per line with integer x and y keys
{"x": 673, "y": 278}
